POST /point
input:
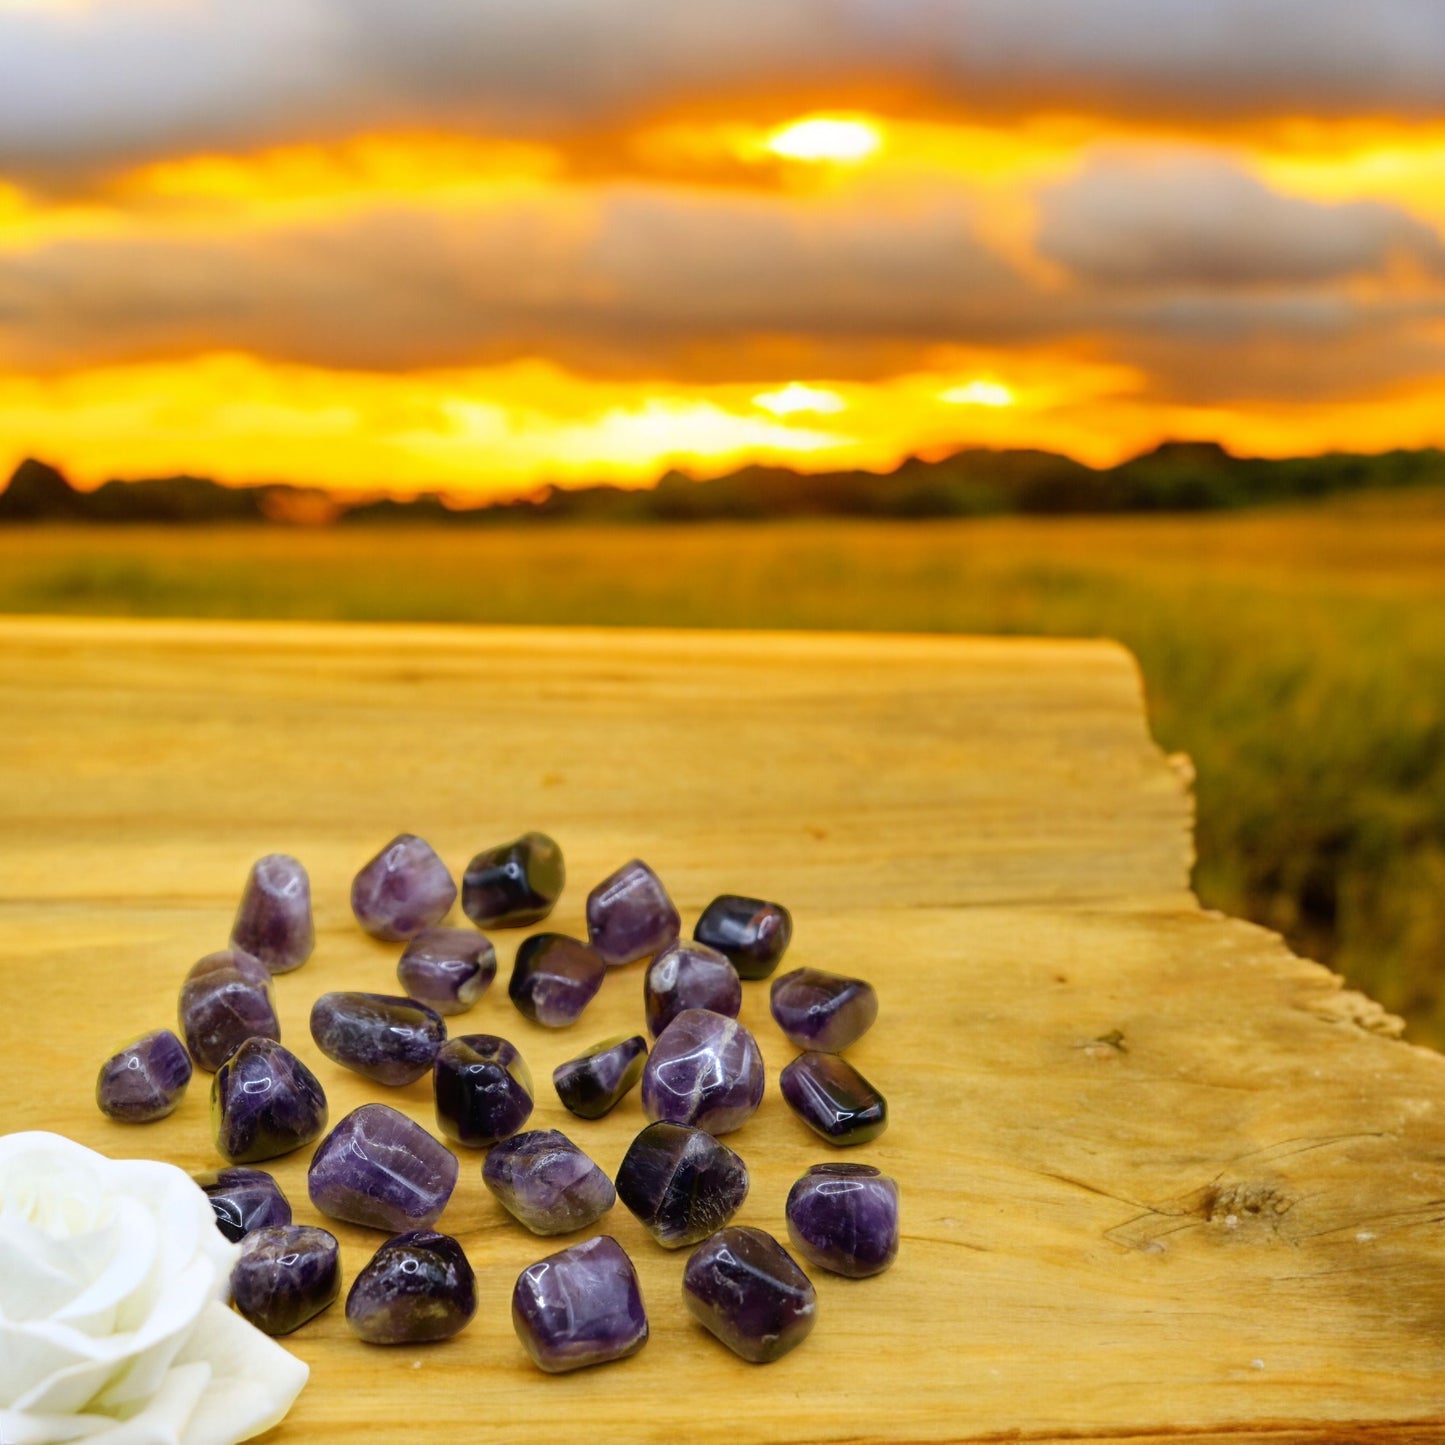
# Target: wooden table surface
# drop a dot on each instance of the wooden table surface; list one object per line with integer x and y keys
{"x": 1159, "y": 1176}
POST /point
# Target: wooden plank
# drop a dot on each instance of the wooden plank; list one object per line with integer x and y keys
{"x": 1161, "y": 1179}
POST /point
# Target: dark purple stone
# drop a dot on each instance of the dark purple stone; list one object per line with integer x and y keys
{"x": 243, "y": 1200}
{"x": 273, "y": 923}
{"x": 144, "y": 1079}
{"x": 448, "y": 969}
{"x": 225, "y": 1000}
{"x": 514, "y": 884}
{"x": 828, "y": 1094}
{"x": 581, "y": 1306}
{"x": 844, "y": 1217}
{"x": 750, "y": 932}
{"x": 745, "y": 1288}
{"x": 681, "y": 1183}
{"x": 593, "y": 1083}
{"x": 822, "y": 1011}
{"x": 689, "y": 975}
{"x": 406, "y": 888}
{"x": 286, "y": 1275}
{"x": 630, "y": 916}
{"x": 705, "y": 1069}
{"x": 547, "y": 1182}
{"x": 379, "y": 1169}
{"x": 382, "y": 1037}
{"x": 483, "y": 1089}
{"x": 419, "y": 1287}
{"x": 265, "y": 1102}
{"x": 554, "y": 979}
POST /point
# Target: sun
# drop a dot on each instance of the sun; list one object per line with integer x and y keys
{"x": 978, "y": 393}
{"x": 824, "y": 138}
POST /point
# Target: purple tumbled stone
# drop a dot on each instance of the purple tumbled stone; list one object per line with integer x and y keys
{"x": 593, "y": 1083}
{"x": 144, "y": 1079}
{"x": 745, "y": 1288}
{"x": 243, "y": 1200}
{"x": 225, "y": 1000}
{"x": 514, "y": 884}
{"x": 265, "y": 1102}
{"x": 630, "y": 916}
{"x": 406, "y": 888}
{"x": 830, "y": 1096}
{"x": 286, "y": 1275}
{"x": 844, "y": 1217}
{"x": 554, "y": 978}
{"x": 689, "y": 975}
{"x": 750, "y": 932}
{"x": 705, "y": 1069}
{"x": 448, "y": 969}
{"x": 483, "y": 1089}
{"x": 418, "y": 1287}
{"x": 378, "y": 1168}
{"x": 273, "y": 923}
{"x": 388, "y": 1039}
{"x": 547, "y": 1182}
{"x": 681, "y": 1183}
{"x": 821, "y": 1010}
{"x": 580, "y": 1306}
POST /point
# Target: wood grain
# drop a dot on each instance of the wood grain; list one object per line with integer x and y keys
{"x": 1161, "y": 1179}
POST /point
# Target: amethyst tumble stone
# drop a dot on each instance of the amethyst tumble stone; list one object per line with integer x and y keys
{"x": 823, "y": 1011}
{"x": 225, "y": 1000}
{"x": 750, "y": 932}
{"x": 747, "y": 1289}
{"x": 704, "y": 1070}
{"x": 286, "y": 1275}
{"x": 581, "y": 1306}
{"x": 406, "y": 888}
{"x": 554, "y": 979}
{"x": 419, "y": 1287}
{"x": 144, "y": 1079}
{"x": 681, "y": 1183}
{"x": 829, "y": 1095}
{"x": 379, "y": 1169}
{"x": 243, "y": 1200}
{"x": 689, "y": 975}
{"x": 514, "y": 884}
{"x": 630, "y": 916}
{"x": 265, "y": 1102}
{"x": 595, "y": 1082}
{"x": 547, "y": 1182}
{"x": 388, "y": 1039}
{"x": 274, "y": 921}
{"x": 448, "y": 969}
{"x": 844, "y": 1217}
{"x": 483, "y": 1089}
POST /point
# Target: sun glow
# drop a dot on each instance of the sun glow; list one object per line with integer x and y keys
{"x": 825, "y": 138}
{"x": 795, "y": 397}
{"x": 978, "y": 393}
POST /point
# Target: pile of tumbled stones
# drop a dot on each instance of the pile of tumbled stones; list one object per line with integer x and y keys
{"x": 702, "y": 1078}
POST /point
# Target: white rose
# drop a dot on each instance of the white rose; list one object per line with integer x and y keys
{"x": 113, "y": 1320}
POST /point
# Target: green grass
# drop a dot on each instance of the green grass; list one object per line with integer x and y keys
{"x": 1298, "y": 655}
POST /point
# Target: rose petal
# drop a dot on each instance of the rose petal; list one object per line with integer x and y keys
{"x": 40, "y": 1274}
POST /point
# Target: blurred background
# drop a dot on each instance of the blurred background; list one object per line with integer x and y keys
{"x": 1078, "y": 317}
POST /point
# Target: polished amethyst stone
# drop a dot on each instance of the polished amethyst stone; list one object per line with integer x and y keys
{"x": 391, "y": 1040}
{"x": 630, "y": 916}
{"x": 274, "y": 921}
{"x": 406, "y": 888}
{"x": 265, "y": 1102}
{"x": 379, "y": 1169}
{"x": 593, "y": 1083}
{"x": 554, "y": 979}
{"x": 419, "y": 1287}
{"x": 581, "y": 1306}
{"x": 681, "y": 1183}
{"x": 844, "y": 1217}
{"x": 753, "y": 934}
{"x": 483, "y": 1089}
{"x": 828, "y": 1094}
{"x": 705, "y": 1069}
{"x": 243, "y": 1200}
{"x": 823, "y": 1011}
{"x": 544, "y": 1179}
{"x": 144, "y": 1079}
{"x": 225, "y": 1000}
{"x": 514, "y": 884}
{"x": 286, "y": 1275}
{"x": 747, "y": 1289}
{"x": 689, "y": 975}
{"x": 448, "y": 969}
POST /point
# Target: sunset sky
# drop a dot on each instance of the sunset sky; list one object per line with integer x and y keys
{"x": 480, "y": 245}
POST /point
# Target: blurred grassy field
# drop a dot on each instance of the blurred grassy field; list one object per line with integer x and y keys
{"x": 1297, "y": 654}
